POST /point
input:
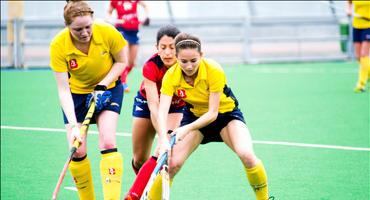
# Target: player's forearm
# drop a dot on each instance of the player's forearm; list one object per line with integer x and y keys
{"x": 66, "y": 101}
{"x": 162, "y": 124}
{"x": 153, "y": 107}
{"x": 65, "y": 96}
{"x": 113, "y": 74}
{"x": 349, "y": 8}
{"x": 164, "y": 106}
{"x": 203, "y": 120}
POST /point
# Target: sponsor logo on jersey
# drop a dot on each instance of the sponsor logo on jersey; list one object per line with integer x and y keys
{"x": 73, "y": 64}
{"x": 112, "y": 171}
{"x": 181, "y": 93}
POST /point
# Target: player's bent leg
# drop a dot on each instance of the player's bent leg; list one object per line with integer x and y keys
{"x": 141, "y": 179}
{"x": 111, "y": 171}
{"x": 258, "y": 180}
{"x": 363, "y": 74}
{"x": 182, "y": 150}
{"x": 236, "y": 135}
{"x": 81, "y": 172}
{"x": 143, "y": 134}
{"x": 111, "y": 164}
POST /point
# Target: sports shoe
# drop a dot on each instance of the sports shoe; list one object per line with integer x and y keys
{"x": 359, "y": 89}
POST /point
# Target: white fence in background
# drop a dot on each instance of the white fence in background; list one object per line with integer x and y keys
{"x": 228, "y": 40}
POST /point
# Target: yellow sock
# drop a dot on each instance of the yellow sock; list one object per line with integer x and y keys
{"x": 155, "y": 192}
{"x": 365, "y": 61}
{"x": 258, "y": 180}
{"x": 81, "y": 173}
{"x": 363, "y": 71}
{"x": 111, "y": 171}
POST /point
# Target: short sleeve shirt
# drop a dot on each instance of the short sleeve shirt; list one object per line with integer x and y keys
{"x": 154, "y": 70}
{"x": 210, "y": 78}
{"x": 86, "y": 71}
{"x": 362, "y": 9}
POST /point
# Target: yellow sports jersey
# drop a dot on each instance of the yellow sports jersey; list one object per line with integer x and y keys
{"x": 211, "y": 78}
{"x": 86, "y": 71}
{"x": 361, "y": 17}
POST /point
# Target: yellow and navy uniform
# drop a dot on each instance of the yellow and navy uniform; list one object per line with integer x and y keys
{"x": 361, "y": 19}
{"x": 86, "y": 71}
{"x": 361, "y": 33}
{"x": 211, "y": 78}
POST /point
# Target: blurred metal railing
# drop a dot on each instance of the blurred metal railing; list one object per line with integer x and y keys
{"x": 238, "y": 40}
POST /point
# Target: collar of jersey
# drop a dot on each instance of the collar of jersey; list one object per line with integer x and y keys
{"x": 202, "y": 74}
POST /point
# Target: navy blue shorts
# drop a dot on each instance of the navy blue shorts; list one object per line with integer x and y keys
{"x": 80, "y": 104}
{"x": 141, "y": 108}
{"x": 212, "y": 131}
{"x": 360, "y": 35}
{"x": 130, "y": 35}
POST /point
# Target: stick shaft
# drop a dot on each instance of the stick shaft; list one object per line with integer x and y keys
{"x": 76, "y": 144}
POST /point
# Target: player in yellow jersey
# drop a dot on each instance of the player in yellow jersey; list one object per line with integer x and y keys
{"x": 211, "y": 114}
{"x": 360, "y": 11}
{"x": 87, "y": 58}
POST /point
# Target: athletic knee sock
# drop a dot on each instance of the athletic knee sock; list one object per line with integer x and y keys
{"x": 81, "y": 172}
{"x": 111, "y": 171}
{"x": 363, "y": 71}
{"x": 142, "y": 178}
{"x": 125, "y": 73}
{"x": 258, "y": 180}
{"x": 155, "y": 192}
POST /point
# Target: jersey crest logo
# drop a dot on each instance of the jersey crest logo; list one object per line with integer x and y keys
{"x": 73, "y": 64}
{"x": 112, "y": 171}
{"x": 181, "y": 93}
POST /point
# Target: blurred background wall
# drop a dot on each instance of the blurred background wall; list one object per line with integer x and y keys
{"x": 231, "y": 31}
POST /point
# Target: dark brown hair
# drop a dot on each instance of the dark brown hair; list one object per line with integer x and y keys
{"x": 169, "y": 30}
{"x": 74, "y": 9}
{"x": 187, "y": 41}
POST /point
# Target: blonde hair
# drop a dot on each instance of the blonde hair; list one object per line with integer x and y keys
{"x": 75, "y": 8}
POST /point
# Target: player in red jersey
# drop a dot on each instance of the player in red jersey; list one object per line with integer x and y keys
{"x": 145, "y": 108}
{"x": 128, "y": 24}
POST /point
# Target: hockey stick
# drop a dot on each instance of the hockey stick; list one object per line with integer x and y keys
{"x": 165, "y": 183}
{"x": 162, "y": 161}
{"x": 75, "y": 146}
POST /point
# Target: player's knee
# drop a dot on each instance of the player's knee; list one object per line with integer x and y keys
{"x": 108, "y": 144}
{"x": 80, "y": 153}
{"x": 174, "y": 167}
{"x": 138, "y": 162}
{"x": 249, "y": 159}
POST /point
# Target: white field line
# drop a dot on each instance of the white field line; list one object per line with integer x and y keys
{"x": 321, "y": 146}
{"x": 73, "y": 188}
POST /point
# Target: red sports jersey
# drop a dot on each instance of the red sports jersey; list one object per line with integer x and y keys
{"x": 127, "y": 11}
{"x": 154, "y": 70}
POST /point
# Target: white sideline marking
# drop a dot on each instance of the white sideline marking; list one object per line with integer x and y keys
{"x": 254, "y": 141}
{"x": 71, "y": 188}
